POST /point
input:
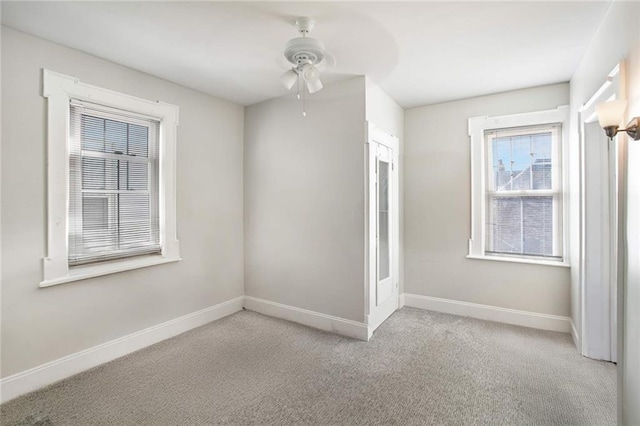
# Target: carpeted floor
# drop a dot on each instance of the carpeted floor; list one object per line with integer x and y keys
{"x": 420, "y": 368}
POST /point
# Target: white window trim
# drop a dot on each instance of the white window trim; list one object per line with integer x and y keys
{"x": 477, "y": 128}
{"x": 59, "y": 89}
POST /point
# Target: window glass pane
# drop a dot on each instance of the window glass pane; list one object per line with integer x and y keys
{"x": 92, "y": 133}
{"x": 110, "y": 174}
{"x": 94, "y": 173}
{"x": 138, "y": 140}
{"x": 115, "y": 136}
{"x": 137, "y": 176}
{"x": 521, "y": 162}
{"x": 521, "y": 225}
{"x": 383, "y": 220}
{"x": 99, "y": 225}
{"x": 134, "y": 220}
{"x": 537, "y": 217}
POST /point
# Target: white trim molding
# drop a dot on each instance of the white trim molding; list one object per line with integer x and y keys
{"x": 401, "y": 302}
{"x": 59, "y": 90}
{"x": 344, "y": 327}
{"x": 574, "y": 335}
{"x": 51, "y": 372}
{"x": 489, "y": 313}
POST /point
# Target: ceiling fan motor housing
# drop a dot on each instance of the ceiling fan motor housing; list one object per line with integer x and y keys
{"x": 302, "y": 50}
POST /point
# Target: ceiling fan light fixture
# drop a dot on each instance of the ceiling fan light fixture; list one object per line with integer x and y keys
{"x": 314, "y": 86}
{"x": 310, "y": 73}
{"x": 289, "y": 78}
{"x": 305, "y": 54}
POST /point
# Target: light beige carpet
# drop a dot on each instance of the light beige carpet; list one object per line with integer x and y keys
{"x": 420, "y": 368}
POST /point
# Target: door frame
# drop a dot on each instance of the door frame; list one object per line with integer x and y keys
{"x": 601, "y": 276}
{"x": 375, "y": 315}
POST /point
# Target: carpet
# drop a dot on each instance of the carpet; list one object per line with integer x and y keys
{"x": 419, "y": 368}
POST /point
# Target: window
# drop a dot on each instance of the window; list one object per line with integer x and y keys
{"x": 111, "y": 186}
{"x": 518, "y": 195}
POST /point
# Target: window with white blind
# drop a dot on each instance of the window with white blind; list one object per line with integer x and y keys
{"x": 518, "y": 196}
{"x": 111, "y": 181}
{"x": 113, "y": 184}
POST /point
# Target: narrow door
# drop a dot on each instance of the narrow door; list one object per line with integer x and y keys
{"x": 383, "y": 221}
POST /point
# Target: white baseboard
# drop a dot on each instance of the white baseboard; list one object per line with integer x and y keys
{"x": 489, "y": 313}
{"x": 342, "y": 326}
{"x": 574, "y": 336}
{"x": 51, "y": 372}
{"x": 401, "y": 302}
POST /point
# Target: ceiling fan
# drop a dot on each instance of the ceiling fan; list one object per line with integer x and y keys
{"x": 306, "y": 55}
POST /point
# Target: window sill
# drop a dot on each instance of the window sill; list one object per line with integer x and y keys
{"x": 90, "y": 271}
{"x": 520, "y": 260}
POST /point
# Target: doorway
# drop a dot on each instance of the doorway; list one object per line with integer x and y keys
{"x": 383, "y": 224}
{"x": 602, "y": 192}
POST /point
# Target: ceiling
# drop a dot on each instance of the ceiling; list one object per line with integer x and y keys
{"x": 418, "y": 52}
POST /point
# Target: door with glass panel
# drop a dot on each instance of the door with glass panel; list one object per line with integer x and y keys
{"x": 384, "y": 284}
{"x": 383, "y": 227}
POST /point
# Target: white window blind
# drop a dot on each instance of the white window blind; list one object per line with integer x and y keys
{"x": 113, "y": 184}
{"x": 524, "y": 192}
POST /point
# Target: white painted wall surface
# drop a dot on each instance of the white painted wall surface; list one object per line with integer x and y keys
{"x": 388, "y": 116}
{"x": 437, "y": 211}
{"x": 304, "y": 186}
{"x": 40, "y": 325}
{"x": 631, "y": 319}
{"x": 617, "y": 38}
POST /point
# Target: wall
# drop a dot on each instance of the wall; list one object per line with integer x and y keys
{"x": 304, "y": 201}
{"x": 617, "y": 38}
{"x": 437, "y": 218}
{"x": 40, "y": 325}
{"x": 388, "y": 116}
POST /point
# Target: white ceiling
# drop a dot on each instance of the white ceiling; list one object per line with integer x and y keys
{"x": 418, "y": 52}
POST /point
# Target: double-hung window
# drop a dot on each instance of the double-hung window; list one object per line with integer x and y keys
{"x": 518, "y": 197}
{"x": 113, "y": 184}
{"x": 111, "y": 181}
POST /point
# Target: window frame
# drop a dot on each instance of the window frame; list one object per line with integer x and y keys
{"x": 60, "y": 90}
{"x": 477, "y": 126}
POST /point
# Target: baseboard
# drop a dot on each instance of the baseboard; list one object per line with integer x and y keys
{"x": 574, "y": 336}
{"x": 51, "y": 372}
{"x": 489, "y": 313}
{"x": 401, "y": 302}
{"x": 345, "y": 327}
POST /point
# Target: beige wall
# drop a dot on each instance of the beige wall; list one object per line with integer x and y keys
{"x": 40, "y": 325}
{"x": 437, "y": 210}
{"x": 304, "y": 187}
{"x": 617, "y": 38}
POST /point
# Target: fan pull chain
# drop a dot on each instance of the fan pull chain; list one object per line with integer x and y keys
{"x": 304, "y": 103}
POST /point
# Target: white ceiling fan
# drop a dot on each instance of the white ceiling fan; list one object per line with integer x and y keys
{"x": 306, "y": 55}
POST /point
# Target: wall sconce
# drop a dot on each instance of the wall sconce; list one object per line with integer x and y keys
{"x": 610, "y": 115}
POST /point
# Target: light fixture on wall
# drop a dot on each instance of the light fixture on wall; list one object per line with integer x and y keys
{"x": 306, "y": 54}
{"x": 610, "y": 115}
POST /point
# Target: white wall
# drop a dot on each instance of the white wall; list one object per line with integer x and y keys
{"x": 304, "y": 187}
{"x": 388, "y": 116}
{"x": 617, "y": 38}
{"x": 437, "y": 210}
{"x": 40, "y": 325}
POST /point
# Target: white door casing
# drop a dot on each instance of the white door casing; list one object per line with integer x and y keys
{"x": 602, "y": 191}
{"x": 383, "y": 226}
